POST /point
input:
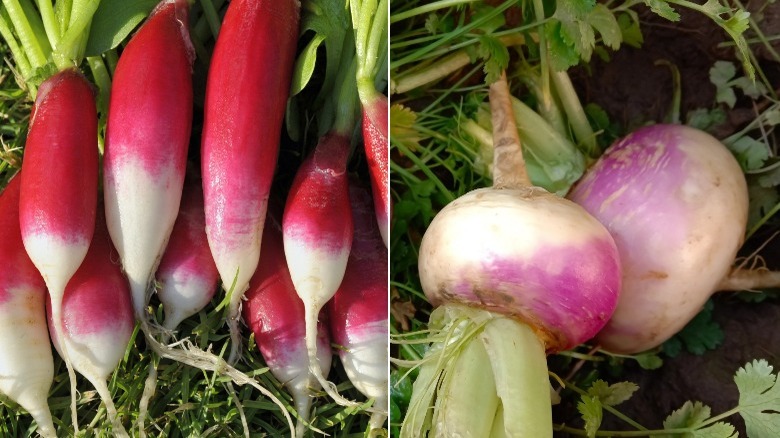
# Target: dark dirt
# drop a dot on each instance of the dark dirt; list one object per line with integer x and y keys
{"x": 633, "y": 91}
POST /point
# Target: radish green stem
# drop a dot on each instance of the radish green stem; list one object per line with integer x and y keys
{"x": 211, "y": 15}
{"x": 22, "y": 64}
{"x": 50, "y": 22}
{"x": 35, "y": 50}
{"x": 508, "y": 164}
{"x": 424, "y": 9}
{"x": 62, "y": 10}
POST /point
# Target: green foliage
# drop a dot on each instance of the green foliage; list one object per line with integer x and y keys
{"x": 573, "y": 30}
{"x": 113, "y": 22}
{"x": 759, "y": 399}
{"x": 698, "y": 336}
{"x": 693, "y": 416}
{"x": 723, "y": 76}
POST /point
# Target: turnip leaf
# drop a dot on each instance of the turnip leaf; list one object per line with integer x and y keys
{"x": 759, "y": 399}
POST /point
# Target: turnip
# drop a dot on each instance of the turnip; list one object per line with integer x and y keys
{"x": 27, "y": 365}
{"x": 59, "y": 180}
{"x": 97, "y": 315}
{"x": 147, "y": 136}
{"x": 317, "y": 231}
{"x": 246, "y": 93}
{"x": 358, "y": 312}
{"x": 675, "y": 200}
{"x": 276, "y": 316}
{"x": 515, "y": 272}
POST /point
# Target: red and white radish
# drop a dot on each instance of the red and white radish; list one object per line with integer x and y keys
{"x": 516, "y": 272}
{"x": 246, "y": 94}
{"x": 59, "y": 181}
{"x": 276, "y": 316}
{"x": 377, "y": 146}
{"x": 187, "y": 274}
{"x": 358, "y": 312}
{"x": 97, "y": 315}
{"x": 147, "y": 136}
{"x": 675, "y": 201}
{"x": 317, "y": 230}
{"x": 26, "y": 365}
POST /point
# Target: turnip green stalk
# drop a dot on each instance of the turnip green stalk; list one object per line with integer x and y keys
{"x": 27, "y": 365}
{"x": 519, "y": 271}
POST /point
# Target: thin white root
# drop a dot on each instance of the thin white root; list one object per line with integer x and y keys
{"x": 314, "y": 364}
{"x": 207, "y": 361}
{"x": 240, "y": 408}
{"x": 150, "y": 386}
{"x": 113, "y": 416}
{"x": 56, "y": 312}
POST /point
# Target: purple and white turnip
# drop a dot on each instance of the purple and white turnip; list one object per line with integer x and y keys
{"x": 516, "y": 272}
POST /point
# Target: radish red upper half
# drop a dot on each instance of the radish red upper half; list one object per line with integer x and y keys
{"x": 377, "y": 148}
{"x": 59, "y": 183}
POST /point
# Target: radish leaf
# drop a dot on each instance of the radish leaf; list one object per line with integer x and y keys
{"x": 759, "y": 399}
{"x": 113, "y": 21}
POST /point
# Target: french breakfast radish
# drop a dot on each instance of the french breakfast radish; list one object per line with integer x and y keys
{"x": 97, "y": 315}
{"x": 516, "y": 272}
{"x": 58, "y": 194}
{"x": 26, "y": 365}
{"x": 675, "y": 200}
{"x": 147, "y": 136}
{"x": 276, "y": 316}
{"x": 187, "y": 274}
{"x": 246, "y": 94}
{"x": 317, "y": 230}
{"x": 358, "y": 312}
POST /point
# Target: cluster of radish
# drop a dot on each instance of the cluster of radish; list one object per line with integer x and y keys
{"x": 327, "y": 246}
{"x": 643, "y": 240}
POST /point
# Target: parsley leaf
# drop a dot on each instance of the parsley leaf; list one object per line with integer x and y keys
{"x": 759, "y": 399}
{"x": 591, "y": 410}
{"x": 698, "y": 336}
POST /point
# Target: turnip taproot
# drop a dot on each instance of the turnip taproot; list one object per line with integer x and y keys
{"x": 675, "y": 200}
{"x": 246, "y": 93}
{"x": 276, "y": 316}
{"x": 147, "y": 136}
{"x": 97, "y": 315}
{"x": 358, "y": 312}
{"x": 27, "y": 365}
{"x": 59, "y": 180}
{"x": 522, "y": 272}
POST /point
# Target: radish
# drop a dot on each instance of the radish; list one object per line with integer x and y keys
{"x": 358, "y": 313}
{"x": 246, "y": 94}
{"x": 317, "y": 230}
{"x": 276, "y": 316}
{"x": 675, "y": 200}
{"x": 147, "y": 136}
{"x": 97, "y": 316}
{"x": 187, "y": 274}
{"x": 515, "y": 272}
{"x": 27, "y": 365}
{"x": 377, "y": 148}
{"x": 58, "y": 194}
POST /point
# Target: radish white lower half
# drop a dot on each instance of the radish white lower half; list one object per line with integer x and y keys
{"x": 97, "y": 315}
{"x": 358, "y": 312}
{"x": 520, "y": 271}
{"x": 675, "y": 201}
{"x": 58, "y": 193}
{"x": 26, "y": 365}
{"x": 276, "y": 316}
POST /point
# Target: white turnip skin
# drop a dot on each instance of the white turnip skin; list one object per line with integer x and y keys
{"x": 358, "y": 312}
{"x": 675, "y": 200}
{"x": 147, "y": 136}
{"x": 317, "y": 233}
{"x": 246, "y": 95}
{"x": 276, "y": 315}
{"x": 187, "y": 274}
{"x": 26, "y": 365}
{"x": 58, "y": 194}
{"x": 97, "y": 314}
